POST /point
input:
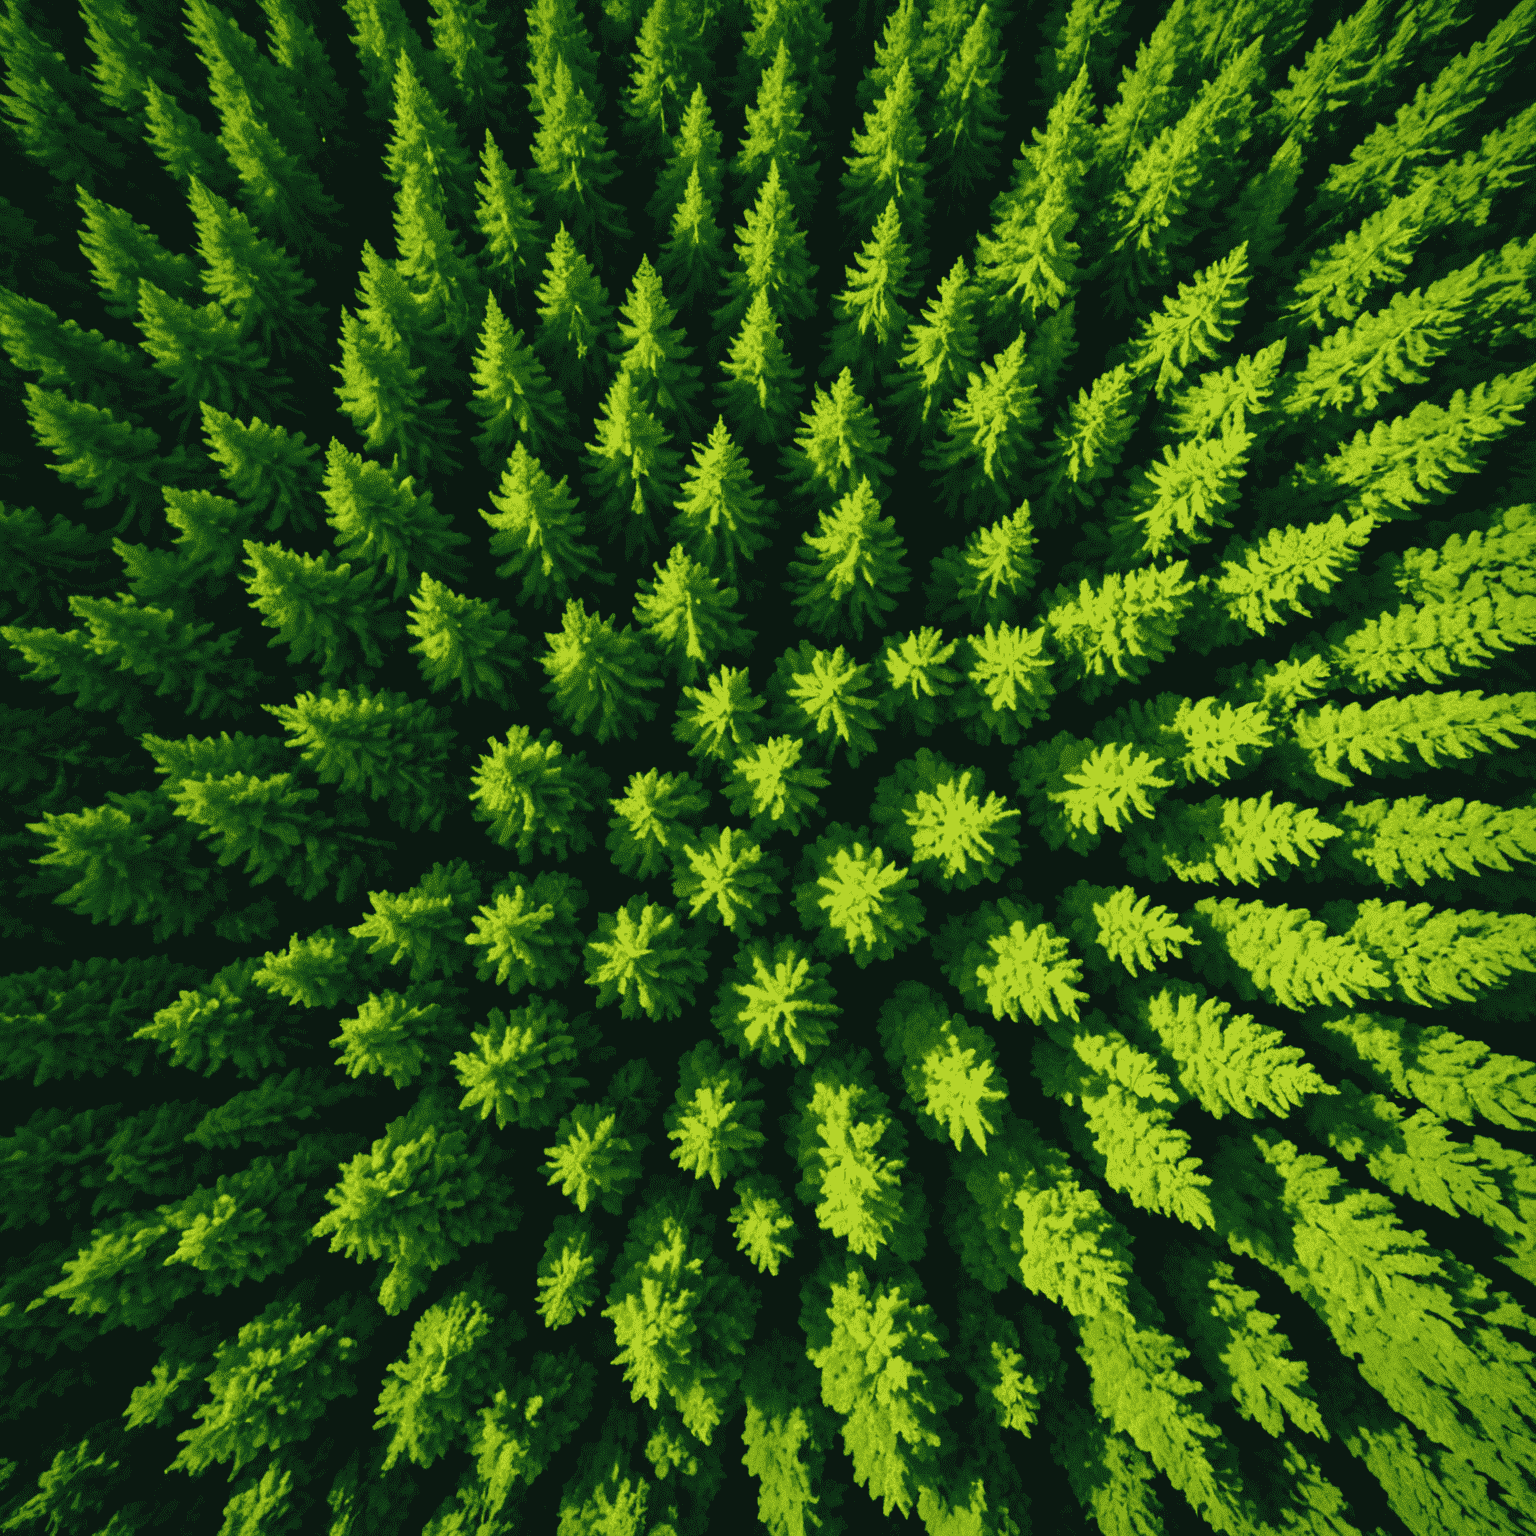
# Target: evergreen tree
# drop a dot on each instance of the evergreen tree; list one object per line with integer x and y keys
{"x": 723, "y": 719}
{"x": 887, "y": 163}
{"x": 383, "y": 30}
{"x": 761, "y": 386}
{"x": 714, "y": 1118}
{"x": 720, "y": 516}
{"x": 1004, "y": 958}
{"x": 774, "y": 132}
{"x": 645, "y": 957}
{"x": 574, "y": 317}
{"x": 727, "y": 876}
{"x": 655, "y": 348}
{"x": 465, "y": 38}
{"x": 938, "y": 354}
{"x": 670, "y": 56}
{"x": 776, "y": 1000}
{"x": 509, "y": 223}
{"x": 385, "y": 744}
{"x": 982, "y": 457}
{"x": 985, "y": 580}
{"x": 595, "y": 669}
{"x": 770, "y": 257}
{"x": 898, "y": 43}
{"x": 534, "y": 797}
{"x": 271, "y": 471}
{"x": 653, "y": 822}
{"x": 432, "y": 258}
{"x": 426, "y": 924}
{"x": 400, "y": 1035}
{"x": 931, "y": 812}
{"x": 631, "y": 467}
{"x": 821, "y": 694}
{"x": 766, "y": 1233}
{"x": 122, "y": 253}
{"x": 688, "y": 617}
{"x": 527, "y": 936}
{"x": 383, "y": 520}
{"x": 696, "y": 142}
{"x": 768, "y": 784}
{"x": 556, "y": 34}
{"x": 183, "y": 148}
{"x": 63, "y": 356}
{"x": 839, "y": 444}
{"x": 852, "y": 900}
{"x": 417, "y": 1198}
{"x": 513, "y": 394}
{"x": 259, "y": 283}
{"x": 854, "y": 571}
{"x": 1229, "y": 839}
{"x": 592, "y": 1160}
{"x": 694, "y": 249}
{"x": 468, "y": 641}
{"x": 1200, "y": 318}
{"x": 917, "y": 669}
{"x": 1073, "y": 784}
{"x": 539, "y": 530}
{"x": 851, "y": 1151}
{"x": 568, "y": 1283}
{"x": 572, "y": 164}
{"x": 968, "y": 106}
{"x": 872, "y": 317}
{"x": 305, "y": 66}
{"x": 318, "y": 610}
{"x": 808, "y": 32}
{"x": 424, "y": 140}
{"x": 1384, "y": 841}
{"x": 1112, "y": 925}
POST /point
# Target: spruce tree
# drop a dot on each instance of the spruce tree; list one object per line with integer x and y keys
{"x": 63, "y": 356}
{"x": 597, "y": 670}
{"x": 432, "y": 258}
{"x": 691, "y": 256}
{"x": 761, "y": 386}
{"x": 465, "y": 37}
{"x": 535, "y": 797}
{"x": 513, "y": 394}
{"x": 771, "y": 257}
{"x": 807, "y": 31}
{"x": 968, "y": 106}
{"x": 510, "y": 225}
{"x": 383, "y": 32}
{"x": 653, "y": 822}
{"x": 647, "y": 959}
{"x": 424, "y": 139}
{"x": 774, "y": 134}
{"x": 572, "y": 164}
{"x": 655, "y": 349}
{"x": 937, "y": 357}
{"x": 696, "y": 143}
{"x": 886, "y": 163}
{"x": 919, "y": 678}
{"x": 723, "y": 720}
{"x": 122, "y": 253}
{"x": 855, "y": 568}
{"x": 631, "y": 471}
{"x": 838, "y": 445}
{"x": 872, "y": 310}
{"x": 689, "y": 618}
{"x": 575, "y": 320}
{"x": 898, "y": 42}
{"x": 271, "y": 472}
{"x": 720, "y": 516}
{"x": 557, "y": 33}
{"x": 182, "y": 146}
{"x": 985, "y": 580}
{"x": 670, "y": 57}
{"x": 540, "y": 532}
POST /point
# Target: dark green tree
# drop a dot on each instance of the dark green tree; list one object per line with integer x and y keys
{"x": 572, "y": 164}
{"x": 761, "y": 387}
{"x": 775, "y": 133}
{"x": 598, "y": 675}
{"x": 513, "y": 394}
{"x": 575, "y": 320}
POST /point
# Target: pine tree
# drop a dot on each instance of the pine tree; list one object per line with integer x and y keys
{"x": 426, "y": 924}
{"x": 1073, "y": 784}
{"x": 383, "y": 31}
{"x": 653, "y": 822}
{"x": 696, "y": 143}
{"x": 271, "y": 471}
{"x": 1004, "y": 958}
{"x": 121, "y": 253}
{"x": 916, "y": 667}
{"x": 424, "y": 140}
{"x": 513, "y": 394}
{"x": 646, "y": 958}
{"x": 1387, "y": 840}
{"x": 931, "y": 812}
{"x": 1200, "y": 318}
{"x": 727, "y": 876}
{"x": 689, "y": 618}
{"x": 854, "y": 568}
{"x": 713, "y": 1117}
{"x": 535, "y": 797}
{"x": 1229, "y": 839}
{"x": 694, "y": 249}
{"x": 200, "y": 353}
{"x": 670, "y": 56}
{"x": 1090, "y": 441}
{"x": 839, "y": 444}
{"x": 557, "y": 33}
{"x": 527, "y": 936}
{"x": 981, "y": 458}
{"x": 305, "y": 66}
{"x": 766, "y": 1233}
{"x": 418, "y": 1198}
{"x": 887, "y": 163}
{"x": 432, "y": 258}
{"x": 385, "y": 744}
{"x": 592, "y": 1160}
{"x": 381, "y": 519}
{"x": 465, "y": 37}
{"x": 938, "y": 354}
{"x": 985, "y": 580}
{"x": 770, "y": 257}
{"x": 723, "y": 720}
{"x": 596, "y": 670}
{"x": 760, "y": 389}
{"x": 808, "y": 33}
{"x": 821, "y": 694}
{"x": 574, "y": 317}
{"x": 768, "y": 784}
{"x": 468, "y": 641}
{"x": 539, "y": 530}
{"x": 183, "y": 148}
{"x": 720, "y": 516}
{"x": 63, "y": 356}
{"x": 399, "y": 1035}
{"x": 852, "y": 900}
{"x": 568, "y": 1283}
{"x": 509, "y": 223}
{"x": 572, "y": 164}
{"x": 774, "y": 133}
{"x": 968, "y": 107}
{"x": 872, "y": 315}
{"x": 898, "y": 43}
{"x": 259, "y": 283}
{"x": 655, "y": 349}
{"x": 631, "y": 468}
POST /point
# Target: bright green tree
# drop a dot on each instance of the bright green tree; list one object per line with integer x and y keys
{"x": 535, "y": 797}
{"x": 769, "y": 784}
{"x": 761, "y": 386}
{"x": 575, "y": 320}
{"x": 631, "y": 469}
{"x": 647, "y": 959}
{"x": 886, "y": 164}
{"x": 985, "y": 580}
{"x": 568, "y": 1282}
{"x": 655, "y": 350}
{"x": 770, "y": 257}
{"x": 671, "y": 55}
{"x": 689, "y": 619}
{"x": 776, "y": 1000}
{"x": 821, "y": 695}
{"x": 509, "y": 222}
{"x": 919, "y": 677}
{"x": 520, "y": 1069}
{"x": 572, "y": 165}
{"x": 714, "y": 1116}
{"x": 425, "y": 138}
{"x": 427, "y": 924}
{"x": 838, "y": 445}
{"x": 464, "y": 36}
{"x": 721, "y": 517}
{"x": 1008, "y": 683}
{"x": 854, "y": 570}
{"x": 722, "y": 720}
{"x": 556, "y": 33}
{"x": 852, "y": 900}
{"x": 726, "y": 874}
{"x": 1005, "y": 958}
{"x": 766, "y": 1233}
{"x": 775, "y": 134}
{"x": 468, "y": 641}
{"x": 527, "y": 936}
{"x": 653, "y": 822}
{"x": 271, "y": 470}
{"x": 598, "y": 671}
{"x": 696, "y": 144}
{"x": 872, "y": 312}
{"x": 123, "y": 253}
{"x": 969, "y": 106}
{"x": 694, "y": 249}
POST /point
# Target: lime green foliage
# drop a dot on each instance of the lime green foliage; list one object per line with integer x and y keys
{"x": 270, "y": 469}
{"x": 938, "y": 354}
{"x": 714, "y": 1119}
{"x": 458, "y": 1350}
{"x": 681, "y": 1320}
{"x": 540, "y": 531}
{"x": 655, "y": 349}
{"x": 425, "y": 925}
{"x": 854, "y": 570}
{"x": 723, "y": 720}
{"x": 886, "y": 163}
{"x": 824, "y": 692}
{"x": 671, "y": 51}
{"x": 424, "y": 139}
{"x": 853, "y": 901}
{"x": 654, "y": 821}
{"x": 770, "y": 258}
{"x": 920, "y": 677}
{"x": 1198, "y": 738}
{"x": 1090, "y": 443}
{"x": 931, "y": 812}
{"x": 968, "y": 111}
{"x": 598, "y": 671}
{"x": 1387, "y": 840}
{"x": 1228, "y": 839}
{"x": 568, "y": 1283}
{"x": 386, "y": 744}
{"x": 575, "y": 319}
{"x": 572, "y": 165}
{"x": 1110, "y": 924}
{"x": 687, "y": 617}
{"x": 721, "y": 516}
{"x": 596, "y": 1156}
{"x": 1004, "y": 958}
{"x": 272, "y": 1384}
{"x": 401, "y": 1035}
{"x": 769, "y": 784}
{"x": 872, "y": 1351}
{"x": 761, "y": 386}
{"x": 508, "y": 222}
{"x": 528, "y": 936}
{"x": 727, "y": 876}
{"x": 775, "y": 135}
{"x": 851, "y": 1152}
{"x": 645, "y": 958}
{"x": 946, "y": 1066}
{"x": 318, "y": 971}
{"x": 465, "y": 640}
{"x": 872, "y": 310}
{"x": 985, "y": 580}
{"x": 765, "y": 1232}
{"x": 513, "y": 394}
{"x": 631, "y": 470}
{"x": 1007, "y": 683}
{"x": 695, "y": 247}
{"x": 839, "y": 444}
{"x": 417, "y": 1198}
{"x": 695, "y": 146}
{"x": 775, "y": 999}
{"x": 1073, "y": 785}
{"x": 535, "y": 797}
{"x": 519, "y": 1069}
